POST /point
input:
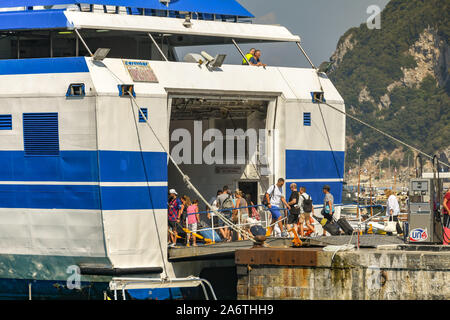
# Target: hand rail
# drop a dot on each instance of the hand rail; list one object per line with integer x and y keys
{"x": 121, "y": 284}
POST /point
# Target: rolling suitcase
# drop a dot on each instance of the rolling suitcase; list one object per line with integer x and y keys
{"x": 329, "y": 226}
{"x": 332, "y": 228}
{"x": 348, "y": 230}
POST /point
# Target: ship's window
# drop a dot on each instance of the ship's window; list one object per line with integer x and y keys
{"x": 40, "y": 134}
{"x": 125, "y": 89}
{"x": 134, "y": 11}
{"x": 5, "y": 122}
{"x": 307, "y": 119}
{"x": 145, "y": 112}
{"x": 318, "y": 97}
{"x": 76, "y": 90}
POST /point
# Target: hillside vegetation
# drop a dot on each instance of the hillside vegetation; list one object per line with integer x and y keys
{"x": 396, "y": 78}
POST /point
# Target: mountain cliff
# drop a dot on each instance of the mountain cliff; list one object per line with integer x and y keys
{"x": 397, "y": 79}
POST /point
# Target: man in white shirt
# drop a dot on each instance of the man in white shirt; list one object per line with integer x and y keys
{"x": 274, "y": 197}
{"x": 393, "y": 208}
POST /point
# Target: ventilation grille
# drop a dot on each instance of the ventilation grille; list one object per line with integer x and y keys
{"x": 40, "y": 134}
{"x": 145, "y": 112}
{"x": 307, "y": 119}
{"x": 5, "y": 122}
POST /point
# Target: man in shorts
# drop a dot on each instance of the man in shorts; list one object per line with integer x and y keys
{"x": 295, "y": 208}
{"x": 274, "y": 197}
{"x": 225, "y": 202}
{"x": 306, "y": 208}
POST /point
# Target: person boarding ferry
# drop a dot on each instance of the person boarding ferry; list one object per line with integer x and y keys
{"x": 274, "y": 198}
{"x": 328, "y": 205}
{"x": 306, "y": 209}
{"x": 175, "y": 209}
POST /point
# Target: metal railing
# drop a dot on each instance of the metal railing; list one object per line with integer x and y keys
{"x": 265, "y": 218}
{"x": 264, "y": 223}
{"x": 123, "y": 284}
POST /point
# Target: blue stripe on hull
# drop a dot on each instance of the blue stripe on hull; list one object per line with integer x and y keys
{"x": 49, "y": 197}
{"x": 43, "y": 65}
{"x": 302, "y": 164}
{"x": 69, "y": 166}
{"x": 81, "y": 166}
{"x": 126, "y": 166}
{"x": 314, "y": 189}
{"x": 134, "y": 198}
{"x": 82, "y": 197}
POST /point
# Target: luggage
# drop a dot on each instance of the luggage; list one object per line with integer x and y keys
{"x": 329, "y": 226}
{"x": 343, "y": 223}
{"x": 332, "y": 228}
{"x": 208, "y": 234}
{"x": 390, "y": 226}
{"x": 318, "y": 219}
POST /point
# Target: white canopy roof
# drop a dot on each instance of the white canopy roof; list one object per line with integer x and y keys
{"x": 239, "y": 31}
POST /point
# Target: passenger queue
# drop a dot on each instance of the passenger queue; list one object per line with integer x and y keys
{"x": 287, "y": 218}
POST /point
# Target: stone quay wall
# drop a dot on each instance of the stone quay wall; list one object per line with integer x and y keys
{"x": 366, "y": 274}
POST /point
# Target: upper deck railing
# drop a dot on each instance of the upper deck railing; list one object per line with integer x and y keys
{"x": 222, "y": 10}
{"x": 110, "y": 23}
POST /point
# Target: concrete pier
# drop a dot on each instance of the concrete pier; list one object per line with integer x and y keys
{"x": 382, "y": 273}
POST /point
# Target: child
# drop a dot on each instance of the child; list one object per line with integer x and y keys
{"x": 192, "y": 220}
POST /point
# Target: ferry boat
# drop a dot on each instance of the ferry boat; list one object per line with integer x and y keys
{"x": 92, "y": 97}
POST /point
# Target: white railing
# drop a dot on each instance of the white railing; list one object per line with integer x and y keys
{"x": 123, "y": 284}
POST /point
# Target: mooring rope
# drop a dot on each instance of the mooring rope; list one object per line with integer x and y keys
{"x": 379, "y": 130}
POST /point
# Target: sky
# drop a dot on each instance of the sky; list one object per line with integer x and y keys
{"x": 319, "y": 23}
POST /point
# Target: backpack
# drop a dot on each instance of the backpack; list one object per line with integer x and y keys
{"x": 227, "y": 203}
{"x": 264, "y": 201}
{"x": 307, "y": 204}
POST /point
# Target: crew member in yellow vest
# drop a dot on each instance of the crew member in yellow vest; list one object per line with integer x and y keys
{"x": 249, "y": 55}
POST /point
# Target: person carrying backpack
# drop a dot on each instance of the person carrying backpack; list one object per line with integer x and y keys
{"x": 273, "y": 199}
{"x": 225, "y": 202}
{"x": 306, "y": 209}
